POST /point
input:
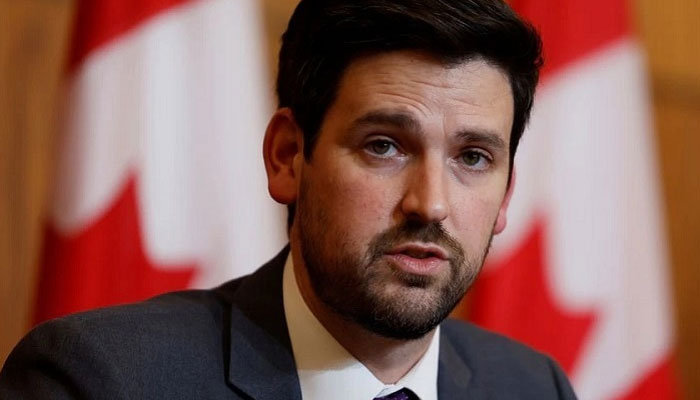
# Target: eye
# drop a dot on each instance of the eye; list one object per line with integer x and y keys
{"x": 381, "y": 147}
{"x": 475, "y": 159}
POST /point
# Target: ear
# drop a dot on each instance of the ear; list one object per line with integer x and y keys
{"x": 283, "y": 152}
{"x": 501, "y": 218}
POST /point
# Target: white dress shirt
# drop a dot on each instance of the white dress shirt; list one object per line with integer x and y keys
{"x": 327, "y": 371}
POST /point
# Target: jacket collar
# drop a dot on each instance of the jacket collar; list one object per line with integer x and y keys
{"x": 454, "y": 374}
{"x": 260, "y": 362}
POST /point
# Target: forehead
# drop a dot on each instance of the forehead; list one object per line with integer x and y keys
{"x": 471, "y": 94}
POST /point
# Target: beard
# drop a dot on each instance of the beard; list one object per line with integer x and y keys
{"x": 367, "y": 289}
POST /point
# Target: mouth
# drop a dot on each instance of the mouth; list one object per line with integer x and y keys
{"x": 419, "y": 251}
{"x": 418, "y": 258}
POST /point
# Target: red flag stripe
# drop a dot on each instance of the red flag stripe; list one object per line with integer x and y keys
{"x": 572, "y": 29}
{"x": 99, "y": 22}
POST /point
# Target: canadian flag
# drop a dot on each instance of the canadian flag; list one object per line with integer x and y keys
{"x": 159, "y": 183}
{"x": 580, "y": 272}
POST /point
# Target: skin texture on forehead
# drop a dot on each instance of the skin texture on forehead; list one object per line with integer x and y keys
{"x": 411, "y": 153}
{"x": 424, "y": 86}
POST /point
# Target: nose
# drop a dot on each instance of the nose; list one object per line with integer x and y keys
{"x": 426, "y": 196}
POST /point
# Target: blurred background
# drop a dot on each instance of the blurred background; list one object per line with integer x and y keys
{"x": 39, "y": 60}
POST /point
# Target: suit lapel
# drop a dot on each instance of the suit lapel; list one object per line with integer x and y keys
{"x": 454, "y": 375}
{"x": 261, "y": 362}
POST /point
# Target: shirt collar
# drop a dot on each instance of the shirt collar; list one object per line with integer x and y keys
{"x": 327, "y": 370}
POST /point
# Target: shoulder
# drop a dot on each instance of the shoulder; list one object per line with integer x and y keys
{"x": 174, "y": 346}
{"x": 504, "y": 366}
{"x": 165, "y": 319}
{"x": 126, "y": 351}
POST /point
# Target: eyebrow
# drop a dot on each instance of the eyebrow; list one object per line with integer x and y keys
{"x": 398, "y": 120}
{"x": 486, "y": 137}
{"x": 407, "y": 122}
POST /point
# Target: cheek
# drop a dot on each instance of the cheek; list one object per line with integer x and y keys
{"x": 473, "y": 218}
{"x": 362, "y": 204}
{"x": 365, "y": 202}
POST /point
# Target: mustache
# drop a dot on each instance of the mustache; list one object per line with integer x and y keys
{"x": 432, "y": 232}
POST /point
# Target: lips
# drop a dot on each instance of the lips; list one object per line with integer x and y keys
{"x": 418, "y": 258}
{"x": 419, "y": 251}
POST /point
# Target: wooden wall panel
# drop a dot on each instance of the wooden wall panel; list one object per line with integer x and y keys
{"x": 679, "y": 142}
{"x": 276, "y": 14}
{"x": 32, "y": 46}
{"x": 671, "y": 34}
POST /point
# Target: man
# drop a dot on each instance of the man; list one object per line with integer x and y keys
{"x": 393, "y": 146}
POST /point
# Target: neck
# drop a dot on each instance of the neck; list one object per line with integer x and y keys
{"x": 388, "y": 359}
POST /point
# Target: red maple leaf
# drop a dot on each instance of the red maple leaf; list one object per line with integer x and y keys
{"x": 515, "y": 299}
{"x": 102, "y": 265}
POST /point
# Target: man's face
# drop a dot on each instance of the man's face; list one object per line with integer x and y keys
{"x": 404, "y": 190}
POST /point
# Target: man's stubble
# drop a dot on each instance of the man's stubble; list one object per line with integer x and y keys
{"x": 353, "y": 285}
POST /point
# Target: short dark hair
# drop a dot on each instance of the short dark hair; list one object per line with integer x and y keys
{"x": 325, "y": 36}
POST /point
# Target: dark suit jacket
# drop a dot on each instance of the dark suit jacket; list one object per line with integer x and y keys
{"x": 232, "y": 343}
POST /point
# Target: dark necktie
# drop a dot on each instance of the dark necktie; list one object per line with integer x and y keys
{"x": 403, "y": 394}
